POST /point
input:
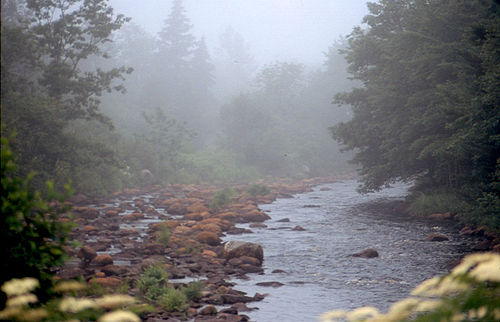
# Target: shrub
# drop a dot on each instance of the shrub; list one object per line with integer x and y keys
{"x": 222, "y": 198}
{"x": 258, "y": 190}
{"x": 163, "y": 235}
{"x": 174, "y": 300}
{"x": 152, "y": 282}
{"x": 31, "y": 231}
{"x": 422, "y": 204}
{"x": 193, "y": 290}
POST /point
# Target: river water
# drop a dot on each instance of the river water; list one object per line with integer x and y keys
{"x": 319, "y": 273}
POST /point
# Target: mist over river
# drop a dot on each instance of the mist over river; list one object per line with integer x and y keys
{"x": 319, "y": 273}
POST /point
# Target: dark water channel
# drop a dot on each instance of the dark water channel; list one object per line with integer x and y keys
{"x": 319, "y": 273}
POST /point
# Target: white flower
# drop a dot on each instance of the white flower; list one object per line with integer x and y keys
{"x": 120, "y": 316}
{"x": 18, "y": 286}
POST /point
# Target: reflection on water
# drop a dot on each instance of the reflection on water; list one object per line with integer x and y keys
{"x": 319, "y": 273}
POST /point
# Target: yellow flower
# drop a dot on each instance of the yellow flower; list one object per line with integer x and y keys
{"x": 428, "y": 306}
{"x": 403, "y": 308}
{"x": 333, "y": 315}
{"x": 120, "y": 316}
{"x": 488, "y": 270}
{"x": 74, "y": 305}
{"x": 471, "y": 261}
{"x": 426, "y": 287}
{"x": 21, "y": 300}
{"x": 362, "y": 313}
{"x": 115, "y": 300}
{"x": 69, "y": 286}
{"x": 18, "y": 286}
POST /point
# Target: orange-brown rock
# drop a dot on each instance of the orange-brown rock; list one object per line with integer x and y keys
{"x": 177, "y": 209}
{"x": 209, "y": 238}
{"x": 214, "y": 228}
{"x": 234, "y": 249}
{"x": 197, "y": 208}
{"x": 106, "y": 281}
{"x": 181, "y": 230}
{"x": 254, "y": 215}
{"x": 112, "y": 212}
{"x": 102, "y": 260}
{"x": 208, "y": 253}
{"x": 86, "y": 253}
{"x": 193, "y": 216}
{"x": 223, "y": 224}
{"x": 89, "y": 228}
{"x": 229, "y": 216}
{"x": 367, "y": 253}
{"x": 85, "y": 212}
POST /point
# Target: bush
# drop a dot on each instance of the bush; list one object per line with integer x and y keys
{"x": 258, "y": 190}
{"x": 174, "y": 300}
{"x": 163, "y": 235}
{"x": 222, "y": 198}
{"x": 152, "y": 282}
{"x": 193, "y": 290}
{"x": 31, "y": 230}
{"x": 422, "y": 204}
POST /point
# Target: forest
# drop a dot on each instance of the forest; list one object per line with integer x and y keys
{"x": 92, "y": 104}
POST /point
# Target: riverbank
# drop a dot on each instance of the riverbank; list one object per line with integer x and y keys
{"x": 121, "y": 237}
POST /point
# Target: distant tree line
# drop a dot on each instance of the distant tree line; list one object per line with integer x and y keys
{"x": 89, "y": 98}
{"x": 428, "y": 109}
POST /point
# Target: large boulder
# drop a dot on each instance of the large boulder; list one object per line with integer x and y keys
{"x": 233, "y": 249}
{"x": 209, "y": 238}
{"x": 86, "y": 254}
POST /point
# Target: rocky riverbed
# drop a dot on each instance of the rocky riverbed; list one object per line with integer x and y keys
{"x": 119, "y": 238}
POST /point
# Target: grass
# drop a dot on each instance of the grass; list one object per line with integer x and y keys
{"x": 258, "y": 190}
{"x": 422, "y": 204}
{"x": 163, "y": 235}
{"x": 222, "y": 198}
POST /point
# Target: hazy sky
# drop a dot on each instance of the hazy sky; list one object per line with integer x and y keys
{"x": 299, "y": 30}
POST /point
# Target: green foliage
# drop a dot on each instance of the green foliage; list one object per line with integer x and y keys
{"x": 437, "y": 202}
{"x": 163, "y": 235}
{"x": 469, "y": 293}
{"x": 258, "y": 190}
{"x": 222, "y": 198}
{"x": 31, "y": 229}
{"x": 153, "y": 282}
{"x": 428, "y": 106}
{"x": 174, "y": 300}
{"x": 193, "y": 290}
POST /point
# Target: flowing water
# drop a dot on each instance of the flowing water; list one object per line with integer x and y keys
{"x": 319, "y": 273}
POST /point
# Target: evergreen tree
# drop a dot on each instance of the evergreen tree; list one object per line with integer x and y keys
{"x": 428, "y": 108}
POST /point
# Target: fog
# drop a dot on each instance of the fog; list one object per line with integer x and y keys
{"x": 298, "y": 30}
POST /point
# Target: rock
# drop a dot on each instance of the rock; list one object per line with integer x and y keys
{"x": 258, "y": 225}
{"x": 89, "y": 228}
{"x": 439, "y": 216}
{"x": 278, "y": 271}
{"x": 298, "y": 228}
{"x": 270, "y": 284}
{"x": 102, "y": 260}
{"x": 209, "y": 238}
{"x": 106, "y": 281}
{"x": 482, "y": 246}
{"x": 234, "y": 249}
{"x": 209, "y": 310}
{"x": 283, "y": 220}
{"x": 86, "y": 253}
{"x": 208, "y": 253}
{"x": 233, "y": 298}
{"x": 242, "y": 307}
{"x": 253, "y": 216}
{"x": 367, "y": 253}
{"x": 230, "y": 310}
{"x": 325, "y": 189}
{"x": 111, "y": 270}
{"x": 436, "y": 237}
{"x": 239, "y": 231}
{"x": 154, "y": 249}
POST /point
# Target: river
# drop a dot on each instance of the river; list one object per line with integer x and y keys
{"x": 319, "y": 275}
